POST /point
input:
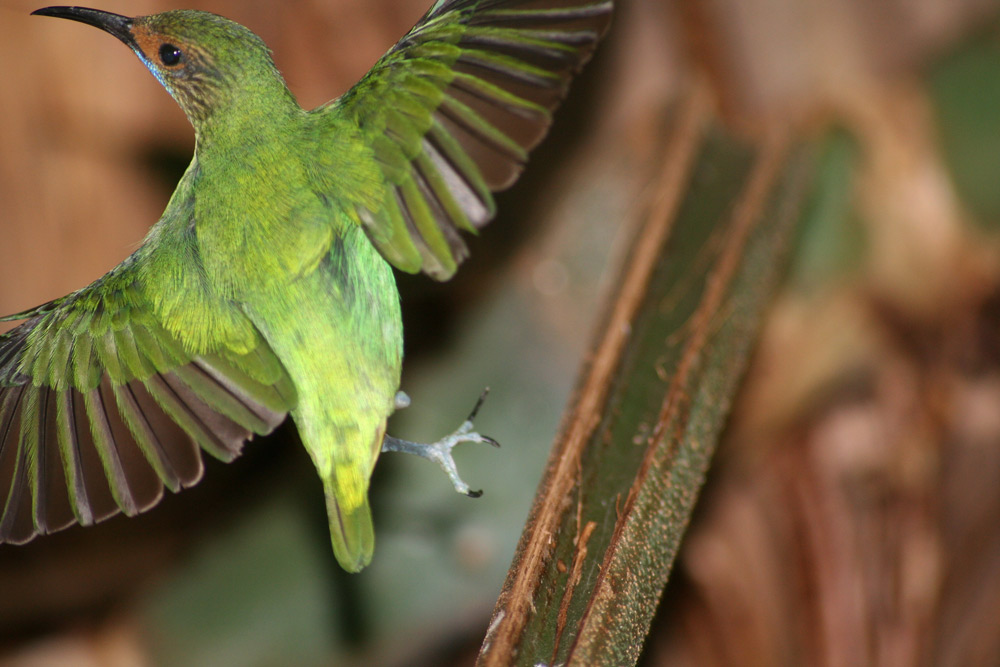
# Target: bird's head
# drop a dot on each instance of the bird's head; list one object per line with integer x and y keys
{"x": 206, "y": 62}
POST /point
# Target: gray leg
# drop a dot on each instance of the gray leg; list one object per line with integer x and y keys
{"x": 402, "y": 400}
{"x": 440, "y": 451}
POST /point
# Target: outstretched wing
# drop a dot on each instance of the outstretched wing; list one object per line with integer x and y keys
{"x": 450, "y": 113}
{"x": 101, "y": 408}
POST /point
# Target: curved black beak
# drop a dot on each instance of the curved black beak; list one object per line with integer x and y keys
{"x": 116, "y": 24}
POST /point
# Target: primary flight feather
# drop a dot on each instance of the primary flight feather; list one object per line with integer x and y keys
{"x": 266, "y": 288}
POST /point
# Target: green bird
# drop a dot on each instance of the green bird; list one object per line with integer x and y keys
{"x": 266, "y": 288}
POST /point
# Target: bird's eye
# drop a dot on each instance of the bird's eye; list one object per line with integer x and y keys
{"x": 170, "y": 55}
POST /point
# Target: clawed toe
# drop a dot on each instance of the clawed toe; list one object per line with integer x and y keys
{"x": 441, "y": 451}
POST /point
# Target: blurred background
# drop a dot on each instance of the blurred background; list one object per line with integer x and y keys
{"x": 851, "y": 516}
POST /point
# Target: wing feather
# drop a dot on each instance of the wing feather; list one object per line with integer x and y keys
{"x": 451, "y": 112}
{"x": 101, "y": 409}
{"x": 53, "y": 509}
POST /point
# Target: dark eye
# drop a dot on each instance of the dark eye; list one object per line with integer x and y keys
{"x": 170, "y": 55}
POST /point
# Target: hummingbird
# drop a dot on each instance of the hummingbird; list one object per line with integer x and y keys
{"x": 266, "y": 289}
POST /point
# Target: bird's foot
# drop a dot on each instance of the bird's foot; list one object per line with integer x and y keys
{"x": 440, "y": 451}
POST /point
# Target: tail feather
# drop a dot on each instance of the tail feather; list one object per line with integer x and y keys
{"x": 351, "y": 530}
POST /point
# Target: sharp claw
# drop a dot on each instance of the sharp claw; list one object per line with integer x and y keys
{"x": 479, "y": 404}
{"x": 490, "y": 441}
{"x": 474, "y": 494}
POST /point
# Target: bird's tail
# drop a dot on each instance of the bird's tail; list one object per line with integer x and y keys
{"x": 350, "y": 528}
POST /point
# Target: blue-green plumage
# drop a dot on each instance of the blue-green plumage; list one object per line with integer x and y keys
{"x": 266, "y": 287}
